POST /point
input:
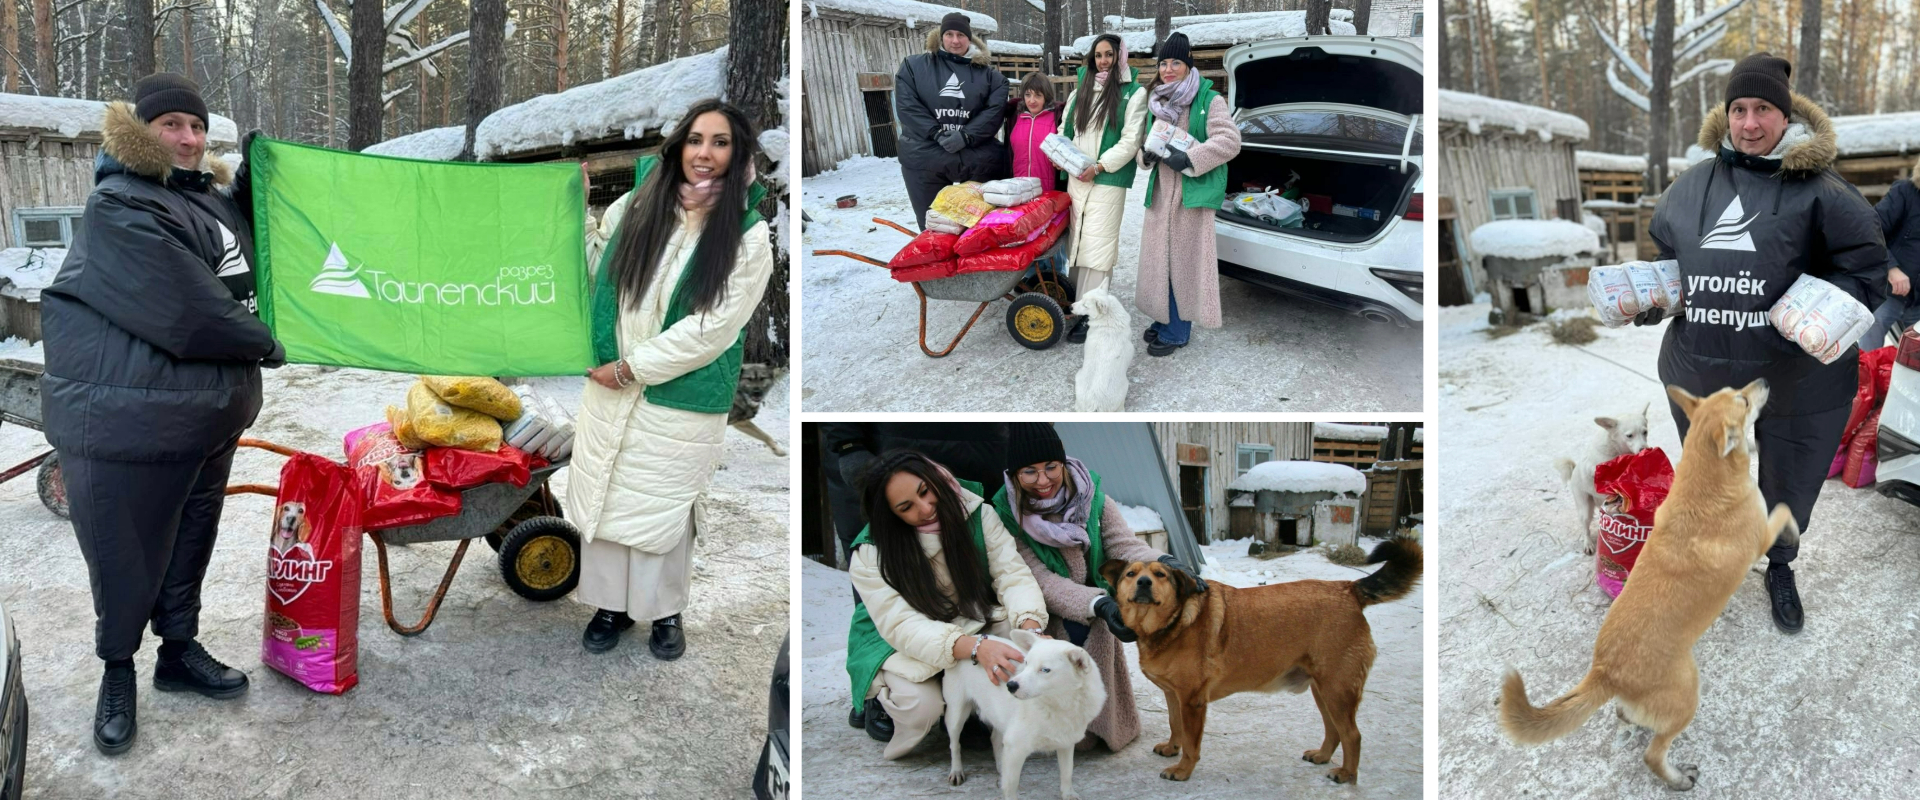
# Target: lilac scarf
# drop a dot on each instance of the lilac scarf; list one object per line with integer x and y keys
{"x": 1073, "y": 503}
{"x": 1169, "y": 99}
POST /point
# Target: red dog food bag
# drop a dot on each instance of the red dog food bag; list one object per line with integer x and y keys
{"x": 1635, "y": 485}
{"x": 928, "y": 248}
{"x": 392, "y": 481}
{"x": 453, "y": 468}
{"x": 313, "y": 576}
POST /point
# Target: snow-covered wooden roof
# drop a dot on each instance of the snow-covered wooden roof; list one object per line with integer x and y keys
{"x": 1479, "y": 112}
{"x": 913, "y": 13}
{"x": 1214, "y": 30}
{"x": 1615, "y": 162}
{"x": 23, "y": 115}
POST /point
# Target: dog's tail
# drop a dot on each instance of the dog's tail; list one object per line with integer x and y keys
{"x": 1396, "y": 579}
{"x": 1565, "y": 467}
{"x": 1525, "y": 724}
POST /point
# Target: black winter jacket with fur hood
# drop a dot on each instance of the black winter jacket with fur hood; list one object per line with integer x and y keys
{"x": 935, "y": 91}
{"x": 1744, "y": 228}
{"x": 153, "y": 351}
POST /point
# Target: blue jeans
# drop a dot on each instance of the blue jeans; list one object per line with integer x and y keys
{"x": 1177, "y": 332}
{"x": 1895, "y": 309}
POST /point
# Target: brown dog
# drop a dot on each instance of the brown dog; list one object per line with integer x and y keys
{"x": 1705, "y": 536}
{"x": 1201, "y": 646}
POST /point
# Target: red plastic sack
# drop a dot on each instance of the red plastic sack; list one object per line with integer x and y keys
{"x": 1863, "y": 458}
{"x": 313, "y": 576}
{"x": 927, "y": 248}
{"x": 925, "y": 272}
{"x": 1635, "y": 485}
{"x": 1876, "y": 373}
{"x": 454, "y": 468}
{"x": 392, "y": 480}
{"x": 1012, "y": 225}
{"x": 1017, "y": 257}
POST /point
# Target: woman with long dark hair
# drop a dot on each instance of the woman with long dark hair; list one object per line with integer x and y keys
{"x": 936, "y": 572}
{"x": 674, "y": 290}
{"x": 1106, "y": 117}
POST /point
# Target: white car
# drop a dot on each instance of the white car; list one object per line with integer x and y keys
{"x": 1898, "y": 449}
{"x": 1343, "y": 113}
{"x": 13, "y": 713}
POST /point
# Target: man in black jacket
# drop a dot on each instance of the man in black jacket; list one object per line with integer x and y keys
{"x": 1900, "y": 223}
{"x": 950, "y": 101}
{"x": 153, "y": 370}
{"x": 1744, "y": 226}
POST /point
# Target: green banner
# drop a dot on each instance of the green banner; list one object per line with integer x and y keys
{"x": 421, "y": 266}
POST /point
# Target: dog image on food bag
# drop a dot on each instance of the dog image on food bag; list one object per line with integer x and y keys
{"x": 402, "y": 471}
{"x": 1620, "y": 435}
{"x": 290, "y": 526}
{"x": 1709, "y": 530}
{"x": 1199, "y": 647}
{"x": 310, "y": 628}
{"x": 1045, "y": 707}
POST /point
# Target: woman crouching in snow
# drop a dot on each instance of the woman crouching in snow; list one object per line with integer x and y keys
{"x": 1178, "y": 267}
{"x": 934, "y": 572}
{"x": 679, "y": 280}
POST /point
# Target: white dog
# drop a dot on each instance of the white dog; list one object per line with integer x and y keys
{"x": 1620, "y": 435}
{"x": 1101, "y": 384}
{"x": 1045, "y": 706}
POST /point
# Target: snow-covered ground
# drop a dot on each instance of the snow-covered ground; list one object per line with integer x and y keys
{"x": 24, "y": 271}
{"x": 497, "y": 699}
{"x": 860, "y": 349}
{"x": 1252, "y": 743}
{"x": 1820, "y": 714}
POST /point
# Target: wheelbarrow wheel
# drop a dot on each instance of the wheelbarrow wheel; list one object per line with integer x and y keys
{"x": 540, "y": 558}
{"x": 53, "y": 487}
{"x": 1050, "y": 282}
{"x": 1036, "y": 321}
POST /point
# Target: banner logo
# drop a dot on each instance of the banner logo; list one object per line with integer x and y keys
{"x": 337, "y": 278}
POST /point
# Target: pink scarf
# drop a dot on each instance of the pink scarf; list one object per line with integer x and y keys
{"x": 703, "y": 195}
{"x": 1169, "y": 99}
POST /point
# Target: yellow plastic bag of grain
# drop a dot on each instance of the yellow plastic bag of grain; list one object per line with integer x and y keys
{"x": 439, "y": 424}
{"x": 403, "y": 428}
{"x": 485, "y": 395}
{"x": 962, "y": 203}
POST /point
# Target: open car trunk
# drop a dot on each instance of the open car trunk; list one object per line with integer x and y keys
{"x": 1357, "y": 182}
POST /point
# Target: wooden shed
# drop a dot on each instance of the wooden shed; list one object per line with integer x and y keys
{"x": 1876, "y": 150}
{"x": 1203, "y": 458}
{"x": 1611, "y": 186}
{"x": 1503, "y": 160}
{"x": 853, "y": 49}
{"x": 47, "y": 148}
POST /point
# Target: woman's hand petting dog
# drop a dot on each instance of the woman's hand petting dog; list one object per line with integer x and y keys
{"x": 999, "y": 659}
{"x": 1109, "y": 612}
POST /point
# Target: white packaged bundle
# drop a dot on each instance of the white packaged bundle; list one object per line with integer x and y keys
{"x": 544, "y": 427}
{"x": 1668, "y": 272}
{"x": 937, "y": 221}
{"x": 1010, "y": 191}
{"x": 1063, "y": 154}
{"x": 1614, "y": 295}
{"x": 1820, "y": 318}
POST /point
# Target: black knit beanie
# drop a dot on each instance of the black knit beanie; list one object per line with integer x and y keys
{"x": 956, "y": 21}
{"x": 1762, "y": 75}
{"x": 1030, "y": 443}
{"x": 163, "y": 92}
{"x": 1176, "y": 48}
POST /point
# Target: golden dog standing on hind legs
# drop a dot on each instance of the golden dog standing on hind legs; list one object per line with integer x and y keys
{"x": 1708, "y": 532}
{"x": 1199, "y": 647}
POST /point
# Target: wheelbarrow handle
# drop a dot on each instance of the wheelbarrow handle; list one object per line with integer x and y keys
{"x": 254, "y": 488}
{"x": 855, "y": 256}
{"x": 894, "y": 225}
{"x": 262, "y": 444}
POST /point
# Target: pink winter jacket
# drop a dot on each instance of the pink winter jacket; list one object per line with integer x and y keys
{"x": 1024, "y": 140}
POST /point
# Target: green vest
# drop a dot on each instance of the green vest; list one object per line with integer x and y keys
{"x": 1124, "y": 177}
{"x": 1206, "y": 191}
{"x": 707, "y": 390}
{"x": 866, "y": 651}
{"x": 1050, "y": 555}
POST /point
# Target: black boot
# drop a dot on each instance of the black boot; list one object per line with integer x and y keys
{"x": 668, "y": 640}
{"x": 858, "y": 716}
{"x": 1786, "y": 599}
{"x": 879, "y": 725}
{"x": 1150, "y": 336}
{"x": 188, "y": 668}
{"x": 1078, "y": 333}
{"x": 603, "y": 631}
{"x": 114, "y": 725}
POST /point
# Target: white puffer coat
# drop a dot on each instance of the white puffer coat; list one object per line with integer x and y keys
{"x": 638, "y": 468}
{"x": 1098, "y": 209}
{"x": 924, "y": 646}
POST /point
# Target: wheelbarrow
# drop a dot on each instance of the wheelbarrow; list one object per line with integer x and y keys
{"x": 20, "y": 405}
{"x": 539, "y": 552}
{"x": 1039, "y": 295}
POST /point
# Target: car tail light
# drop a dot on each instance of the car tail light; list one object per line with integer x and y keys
{"x": 1417, "y": 206}
{"x": 1409, "y": 282}
{"x": 1890, "y": 446}
{"x": 1909, "y": 353}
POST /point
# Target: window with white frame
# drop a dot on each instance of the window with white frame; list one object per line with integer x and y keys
{"x": 1514, "y": 204}
{"x": 1248, "y": 455}
{"x": 45, "y": 227}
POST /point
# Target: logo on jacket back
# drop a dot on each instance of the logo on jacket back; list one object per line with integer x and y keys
{"x": 952, "y": 89}
{"x": 1730, "y": 232}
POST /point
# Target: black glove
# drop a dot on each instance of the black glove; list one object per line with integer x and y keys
{"x": 1651, "y": 316}
{"x": 1148, "y": 159}
{"x": 1170, "y": 561}
{"x": 275, "y": 359}
{"x": 853, "y": 467}
{"x": 1109, "y": 612}
{"x": 953, "y": 141}
{"x": 1177, "y": 159}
